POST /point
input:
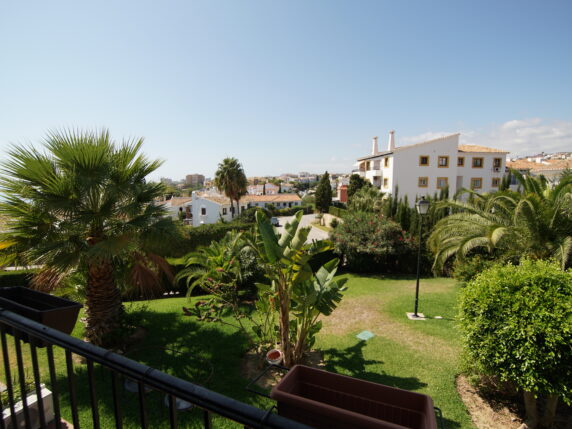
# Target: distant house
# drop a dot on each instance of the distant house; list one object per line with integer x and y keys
{"x": 266, "y": 189}
{"x": 175, "y": 204}
{"x": 210, "y": 207}
{"x": 550, "y": 168}
{"x": 425, "y": 168}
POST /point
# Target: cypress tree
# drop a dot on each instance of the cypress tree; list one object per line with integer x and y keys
{"x": 324, "y": 194}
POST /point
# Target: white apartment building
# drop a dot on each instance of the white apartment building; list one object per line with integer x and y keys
{"x": 425, "y": 168}
{"x": 210, "y": 207}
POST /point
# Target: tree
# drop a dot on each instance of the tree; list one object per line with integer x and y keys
{"x": 356, "y": 183}
{"x": 369, "y": 242}
{"x": 536, "y": 222}
{"x": 367, "y": 199}
{"x": 230, "y": 179}
{"x": 324, "y": 194}
{"x": 516, "y": 326}
{"x": 83, "y": 204}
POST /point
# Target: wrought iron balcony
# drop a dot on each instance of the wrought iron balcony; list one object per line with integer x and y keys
{"x": 100, "y": 363}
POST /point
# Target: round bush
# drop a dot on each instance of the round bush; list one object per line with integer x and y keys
{"x": 517, "y": 325}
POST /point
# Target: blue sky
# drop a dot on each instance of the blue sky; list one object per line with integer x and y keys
{"x": 287, "y": 86}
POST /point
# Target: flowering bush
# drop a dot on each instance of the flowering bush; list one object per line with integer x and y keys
{"x": 369, "y": 242}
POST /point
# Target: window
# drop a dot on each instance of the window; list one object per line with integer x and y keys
{"x": 497, "y": 162}
{"x": 424, "y": 160}
{"x": 461, "y": 161}
{"x": 386, "y": 162}
{"x": 443, "y": 161}
{"x": 442, "y": 182}
{"x": 477, "y": 162}
{"x": 224, "y": 210}
{"x": 476, "y": 183}
{"x": 423, "y": 182}
{"x": 496, "y": 182}
{"x": 385, "y": 182}
{"x": 203, "y": 211}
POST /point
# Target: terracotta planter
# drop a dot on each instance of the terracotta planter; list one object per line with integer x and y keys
{"x": 326, "y": 400}
{"x": 49, "y": 310}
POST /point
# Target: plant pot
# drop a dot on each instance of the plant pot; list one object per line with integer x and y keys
{"x": 49, "y": 310}
{"x": 32, "y": 402}
{"x": 274, "y": 357}
{"x": 326, "y": 400}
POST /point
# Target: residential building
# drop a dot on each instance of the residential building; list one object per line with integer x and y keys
{"x": 175, "y": 204}
{"x": 195, "y": 180}
{"x": 549, "y": 167}
{"x": 266, "y": 189}
{"x": 210, "y": 207}
{"x": 428, "y": 167}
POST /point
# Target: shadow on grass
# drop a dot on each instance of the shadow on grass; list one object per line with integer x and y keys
{"x": 351, "y": 361}
{"x": 200, "y": 353}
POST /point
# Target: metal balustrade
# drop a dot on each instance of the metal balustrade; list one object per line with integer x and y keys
{"x": 27, "y": 333}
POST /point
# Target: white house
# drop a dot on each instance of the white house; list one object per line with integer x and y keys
{"x": 425, "y": 168}
{"x": 210, "y": 207}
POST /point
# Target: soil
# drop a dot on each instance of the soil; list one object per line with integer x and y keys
{"x": 481, "y": 411}
{"x": 253, "y": 364}
{"x": 503, "y": 411}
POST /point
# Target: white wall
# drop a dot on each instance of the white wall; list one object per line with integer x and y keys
{"x": 406, "y": 169}
{"x": 487, "y": 172}
{"x": 214, "y": 211}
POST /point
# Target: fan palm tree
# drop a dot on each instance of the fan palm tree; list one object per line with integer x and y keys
{"x": 536, "y": 222}
{"x": 230, "y": 179}
{"x": 83, "y": 204}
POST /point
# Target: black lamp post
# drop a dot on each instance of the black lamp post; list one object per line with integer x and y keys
{"x": 422, "y": 207}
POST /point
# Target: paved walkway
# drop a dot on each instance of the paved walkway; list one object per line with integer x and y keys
{"x": 315, "y": 233}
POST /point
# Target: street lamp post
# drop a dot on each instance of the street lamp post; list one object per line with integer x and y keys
{"x": 422, "y": 207}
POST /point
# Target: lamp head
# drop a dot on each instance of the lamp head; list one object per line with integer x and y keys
{"x": 422, "y": 206}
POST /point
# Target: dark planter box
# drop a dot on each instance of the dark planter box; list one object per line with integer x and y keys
{"x": 326, "y": 400}
{"x": 49, "y": 310}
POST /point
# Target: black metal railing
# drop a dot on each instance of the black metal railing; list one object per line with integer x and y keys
{"x": 106, "y": 364}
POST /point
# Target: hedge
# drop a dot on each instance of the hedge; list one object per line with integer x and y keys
{"x": 337, "y": 211}
{"x": 16, "y": 278}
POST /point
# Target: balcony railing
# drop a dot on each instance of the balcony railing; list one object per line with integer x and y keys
{"x": 104, "y": 363}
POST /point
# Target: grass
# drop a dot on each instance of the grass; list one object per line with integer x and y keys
{"x": 421, "y": 356}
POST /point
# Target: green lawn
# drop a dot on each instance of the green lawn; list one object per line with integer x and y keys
{"x": 416, "y": 355}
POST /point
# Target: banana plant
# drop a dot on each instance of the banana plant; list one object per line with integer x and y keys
{"x": 311, "y": 299}
{"x": 286, "y": 265}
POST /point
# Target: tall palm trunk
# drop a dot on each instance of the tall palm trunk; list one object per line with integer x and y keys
{"x": 103, "y": 302}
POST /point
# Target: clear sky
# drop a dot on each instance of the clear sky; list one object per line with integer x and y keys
{"x": 287, "y": 86}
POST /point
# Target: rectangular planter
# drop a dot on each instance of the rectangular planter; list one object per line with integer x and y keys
{"x": 326, "y": 400}
{"x": 32, "y": 402}
{"x": 49, "y": 310}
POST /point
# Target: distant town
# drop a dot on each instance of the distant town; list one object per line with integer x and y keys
{"x": 415, "y": 170}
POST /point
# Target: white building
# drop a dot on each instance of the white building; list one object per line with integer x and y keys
{"x": 425, "y": 168}
{"x": 210, "y": 207}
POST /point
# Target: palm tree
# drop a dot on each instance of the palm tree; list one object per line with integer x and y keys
{"x": 83, "y": 204}
{"x": 536, "y": 222}
{"x": 230, "y": 179}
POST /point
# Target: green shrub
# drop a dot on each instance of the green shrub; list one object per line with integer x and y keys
{"x": 291, "y": 211}
{"x": 517, "y": 326}
{"x": 368, "y": 242}
{"x": 337, "y": 211}
{"x": 466, "y": 269}
{"x": 248, "y": 216}
{"x": 334, "y": 223}
{"x": 16, "y": 278}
